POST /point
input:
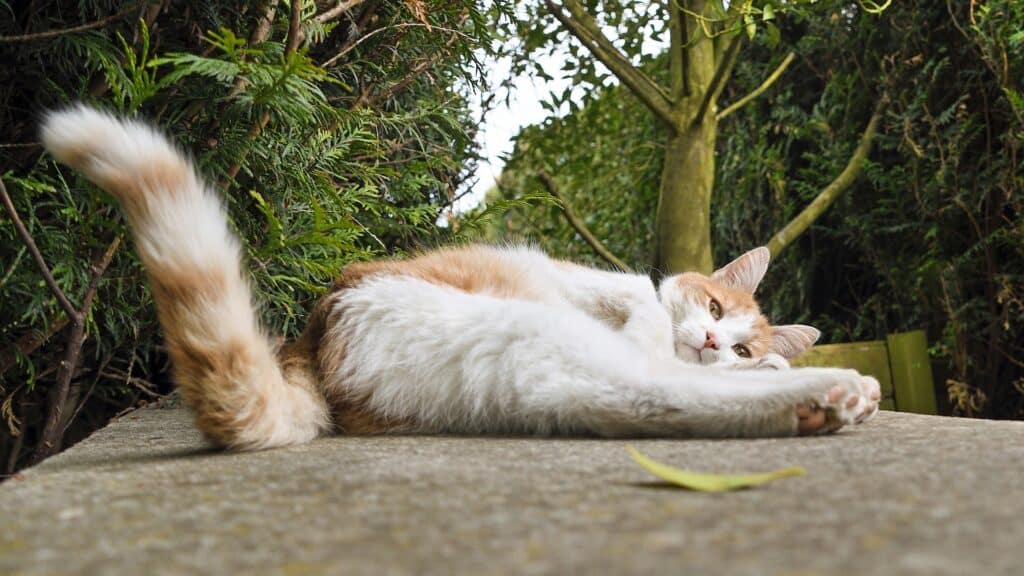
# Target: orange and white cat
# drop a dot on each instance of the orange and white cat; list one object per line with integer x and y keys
{"x": 475, "y": 340}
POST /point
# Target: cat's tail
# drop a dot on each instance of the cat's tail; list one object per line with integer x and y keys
{"x": 223, "y": 363}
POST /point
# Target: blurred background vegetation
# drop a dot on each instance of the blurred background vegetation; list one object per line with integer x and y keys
{"x": 341, "y": 141}
{"x": 930, "y": 236}
{"x": 349, "y": 136}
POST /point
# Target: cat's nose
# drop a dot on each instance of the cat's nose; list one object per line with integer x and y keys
{"x": 709, "y": 341}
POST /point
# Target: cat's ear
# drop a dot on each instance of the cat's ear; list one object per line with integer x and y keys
{"x": 790, "y": 340}
{"x": 745, "y": 272}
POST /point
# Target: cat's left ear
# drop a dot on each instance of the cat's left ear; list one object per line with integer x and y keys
{"x": 745, "y": 272}
{"x": 790, "y": 340}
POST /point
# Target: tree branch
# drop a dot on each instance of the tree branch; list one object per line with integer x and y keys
{"x": 760, "y": 89}
{"x": 578, "y": 224}
{"x": 29, "y": 343}
{"x": 677, "y": 52}
{"x": 292, "y": 42}
{"x": 294, "y": 28}
{"x": 340, "y": 9}
{"x": 30, "y": 243}
{"x": 416, "y": 71}
{"x": 584, "y": 28}
{"x": 80, "y": 28}
{"x": 51, "y": 437}
{"x": 722, "y": 72}
{"x": 826, "y": 197}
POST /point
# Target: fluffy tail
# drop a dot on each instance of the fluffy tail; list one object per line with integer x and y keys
{"x": 224, "y": 365}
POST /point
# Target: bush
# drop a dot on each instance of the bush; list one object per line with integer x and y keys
{"x": 930, "y": 236}
{"x": 339, "y": 139}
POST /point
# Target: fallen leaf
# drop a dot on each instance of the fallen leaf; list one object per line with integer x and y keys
{"x": 709, "y": 482}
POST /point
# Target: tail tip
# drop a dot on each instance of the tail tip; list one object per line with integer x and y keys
{"x": 72, "y": 133}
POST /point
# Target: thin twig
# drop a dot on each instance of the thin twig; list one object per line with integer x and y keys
{"x": 583, "y": 26}
{"x": 294, "y": 27}
{"x": 13, "y": 267}
{"x": 144, "y": 386}
{"x": 98, "y": 269}
{"x": 80, "y": 28}
{"x": 29, "y": 343}
{"x": 577, "y": 223}
{"x": 409, "y": 78}
{"x": 759, "y": 90}
{"x": 826, "y": 197}
{"x": 327, "y": 63}
{"x": 30, "y": 243}
{"x": 52, "y": 434}
{"x": 340, "y": 9}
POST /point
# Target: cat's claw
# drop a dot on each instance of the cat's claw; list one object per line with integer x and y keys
{"x": 840, "y": 406}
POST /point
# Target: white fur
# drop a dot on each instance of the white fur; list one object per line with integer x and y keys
{"x": 447, "y": 360}
{"x": 184, "y": 230}
{"x": 692, "y": 321}
{"x": 469, "y": 363}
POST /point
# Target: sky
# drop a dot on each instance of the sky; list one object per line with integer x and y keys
{"x": 505, "y": 120}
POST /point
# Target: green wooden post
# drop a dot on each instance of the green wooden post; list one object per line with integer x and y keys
{"x": 870, "y": 358}
{"x": 911, "y": 372}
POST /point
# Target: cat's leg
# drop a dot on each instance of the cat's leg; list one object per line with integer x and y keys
{"x": 442, "y": 360}
{"x": 623, "y": 301}
{"x": 770, "y": 361}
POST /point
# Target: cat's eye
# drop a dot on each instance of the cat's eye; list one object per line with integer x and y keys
{"x": 716, "y": 309}
{"x": 741, "y": 350}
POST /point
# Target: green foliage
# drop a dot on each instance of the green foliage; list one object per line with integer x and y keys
{"x": 606, "y": 157}
{"x": 930, "y": 236}
{"x": 348, "y": 148}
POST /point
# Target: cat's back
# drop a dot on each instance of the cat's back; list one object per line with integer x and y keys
{"x": 513, "y": 272}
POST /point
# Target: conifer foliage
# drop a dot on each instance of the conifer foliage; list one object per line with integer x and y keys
{"x": 337, "y": 131}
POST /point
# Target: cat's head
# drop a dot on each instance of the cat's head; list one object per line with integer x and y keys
{"x": 716, "y": 318}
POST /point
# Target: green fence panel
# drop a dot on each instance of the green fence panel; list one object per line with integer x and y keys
{"x": 871, "y": 358}
{"x": 911, "y": 372}
{"x": 900, "y": 363}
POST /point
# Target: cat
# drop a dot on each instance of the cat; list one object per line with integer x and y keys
{"x": 472, "y": 340}
{"x": 713, "y": 319}
{"x": 717, "y": 321}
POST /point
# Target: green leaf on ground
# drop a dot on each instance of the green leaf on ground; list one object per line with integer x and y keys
{"x": 709, "y": 482}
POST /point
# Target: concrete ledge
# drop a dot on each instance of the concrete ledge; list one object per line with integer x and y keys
{"x": 905, "y": 494}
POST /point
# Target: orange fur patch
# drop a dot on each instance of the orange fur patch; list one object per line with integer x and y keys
{"x": 474, "y": 269}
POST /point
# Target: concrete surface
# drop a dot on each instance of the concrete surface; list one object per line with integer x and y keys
{"x": 904, "y": 494}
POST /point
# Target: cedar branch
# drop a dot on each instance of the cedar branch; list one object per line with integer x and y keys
{"x": 578, "y": 223}
{"x": 51, "y": 437}
{"x": 80, "y": 28}
{"x": 30, "y": 243}
{"x": 29, "y": 343}
{"x": 291, "y": 45}
{"x": 340, "y": 9}
{"x": 826, "y": 197}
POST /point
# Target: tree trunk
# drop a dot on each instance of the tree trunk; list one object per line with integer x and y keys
{"x": 682, "y": 235}
{"x": 683, "y": 221}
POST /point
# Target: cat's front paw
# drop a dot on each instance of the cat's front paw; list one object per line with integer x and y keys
{"x": 772, "y": 361}
{"x": 844, "y": 404}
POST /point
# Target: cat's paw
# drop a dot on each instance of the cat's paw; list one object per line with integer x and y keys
{"x": 771, "y": 361}
{"x": 844, "y": 404}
